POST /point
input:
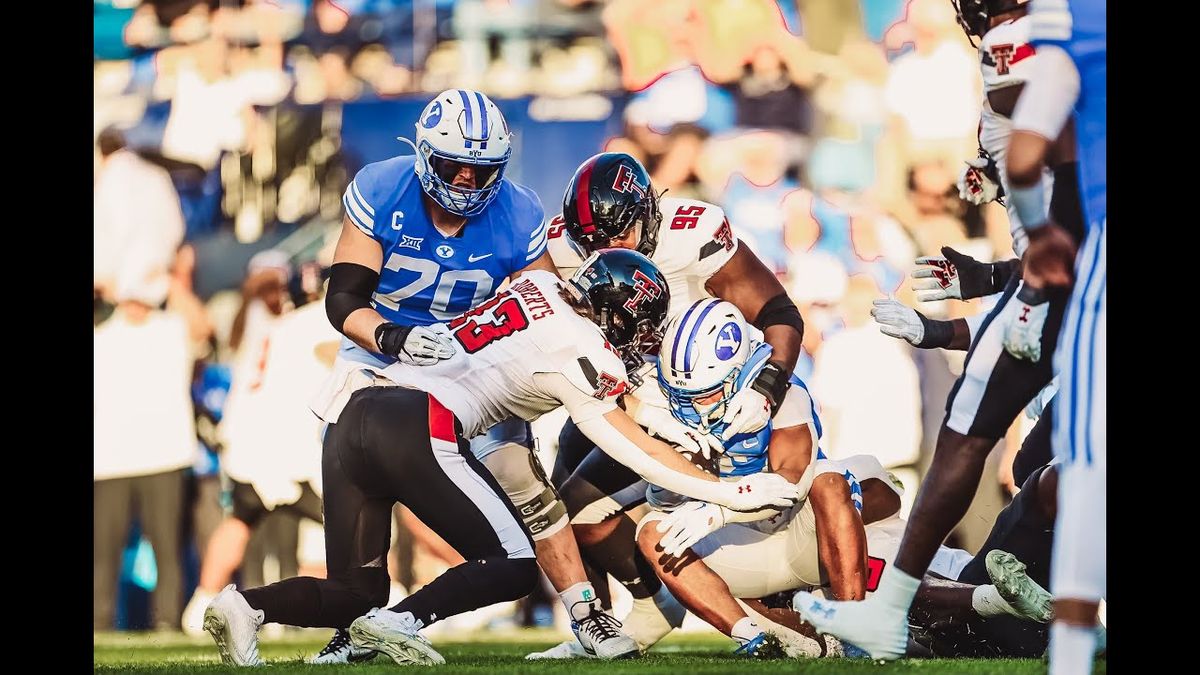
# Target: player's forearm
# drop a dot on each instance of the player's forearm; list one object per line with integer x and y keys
{"x": 954, "y": 334}
{"x": 348, "y": 303}
{"x": 841, "y": 538}
{"x": 656, "y": 462}
{"x": 360, "y": 327}
{"x": 1039, "y": 118}
{"x": 790, "y": 452}
{"x": 732, "y": 516}
{"x": 785, "y": 344}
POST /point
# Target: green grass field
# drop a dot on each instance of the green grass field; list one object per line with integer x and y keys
{"x": 499, "y": 653}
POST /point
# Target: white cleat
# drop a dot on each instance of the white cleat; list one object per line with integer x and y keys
{"x": 879, "y": 630}
{"x": 571, "y": 649}
{"x": 234, "y": 625}
{"x": 341, "y": 650}
{"x": 600, "y": 635}
{"x": 1024, "y": 594}
{"x": 396, "y": 635}
{"x": 193, "y": 614}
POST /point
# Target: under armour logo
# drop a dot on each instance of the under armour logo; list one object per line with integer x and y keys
{"x": 1024, "y": 318}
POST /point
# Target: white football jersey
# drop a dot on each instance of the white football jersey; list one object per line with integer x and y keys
{"x": 521, "y": 331}
{"x": 1006, "y": 58}
{"x": 694, "y": 241}
{"x": 1006, "y": 55}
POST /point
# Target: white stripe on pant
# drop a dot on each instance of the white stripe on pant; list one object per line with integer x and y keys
{"x": 508, "y": 529}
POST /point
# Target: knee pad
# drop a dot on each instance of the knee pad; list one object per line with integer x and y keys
{"x": 520, "y": 474}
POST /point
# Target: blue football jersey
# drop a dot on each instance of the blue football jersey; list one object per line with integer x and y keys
{"x": 746, "y": 453}
{"x": 428, "y": 277}
{"x": 1080, "y": 28}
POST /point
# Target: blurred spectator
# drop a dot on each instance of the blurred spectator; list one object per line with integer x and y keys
{"x": 272, "y": 441}
{"x": 669, "y": 155}
{"x": 934, "y": 90}
{"x": 773, "y": 93}
{"x": 867, "y": 386}
{"x": 829, "y": 23}
{"x": 852, "y": 119}
{"x": 137, "y": 224}
{"x": 850, "y": 228}
{"x": 511, "y": 23}
{"x": 933, "y": 200}
{"x": 818, "y": 284}
{"x": 143, "y": 443}
{"x": 748, "y": 174}
{"x": 211, "y": 106}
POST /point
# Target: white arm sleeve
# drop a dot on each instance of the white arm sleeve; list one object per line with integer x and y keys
{"x": 588, "y": 414}
{"x": 1049, "y": 95}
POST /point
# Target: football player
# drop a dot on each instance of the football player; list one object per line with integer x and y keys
{"x": 610, "y": 202}
{"x": 537, "y": 345}
{"x": 426, "y": 238}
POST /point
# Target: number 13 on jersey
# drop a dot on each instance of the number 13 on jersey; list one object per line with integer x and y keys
{"x": 474, "y": 331}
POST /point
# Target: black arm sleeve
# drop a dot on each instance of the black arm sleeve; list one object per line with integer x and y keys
{"x": 780, "y": 311}
{"x": 350, "y": 288}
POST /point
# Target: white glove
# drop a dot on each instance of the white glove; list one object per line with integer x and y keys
{"x": 761, "y": 490}
{"x": 425, "y": 347}
{"x": 1023, "y": 337}
{"x": 661, "y": 423}
{"x": 974, "y": 186}
{"x": 898, "y": 321}
{"x": 747, "y": 412}
{"x": 1026, "y": 317}
{"x": 937, "y": 281}
{"x": 689, "y": 524}
{"x": 274, "y": 491}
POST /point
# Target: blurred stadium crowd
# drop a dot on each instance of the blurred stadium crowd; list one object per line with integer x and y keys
{"x": 831, "y": 132}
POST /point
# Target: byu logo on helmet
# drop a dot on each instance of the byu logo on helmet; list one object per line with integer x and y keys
{"x": 444, "y": 251}
{"x": 433, "y": 115}
{"x": 728, "y": 340}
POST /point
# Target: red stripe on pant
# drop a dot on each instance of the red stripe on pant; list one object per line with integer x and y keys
{"x": 441, "y": 421}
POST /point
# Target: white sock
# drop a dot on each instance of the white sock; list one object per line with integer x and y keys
{"x": 651, "y": 619}
{"x": 987, "y": 601}
{"x": 669, "y": 606}
{"x": 1071, "y": 649}
{"x": 897, "y": 589}
{"x": 582, "y": 592}
{"x": 744, "y": 630}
